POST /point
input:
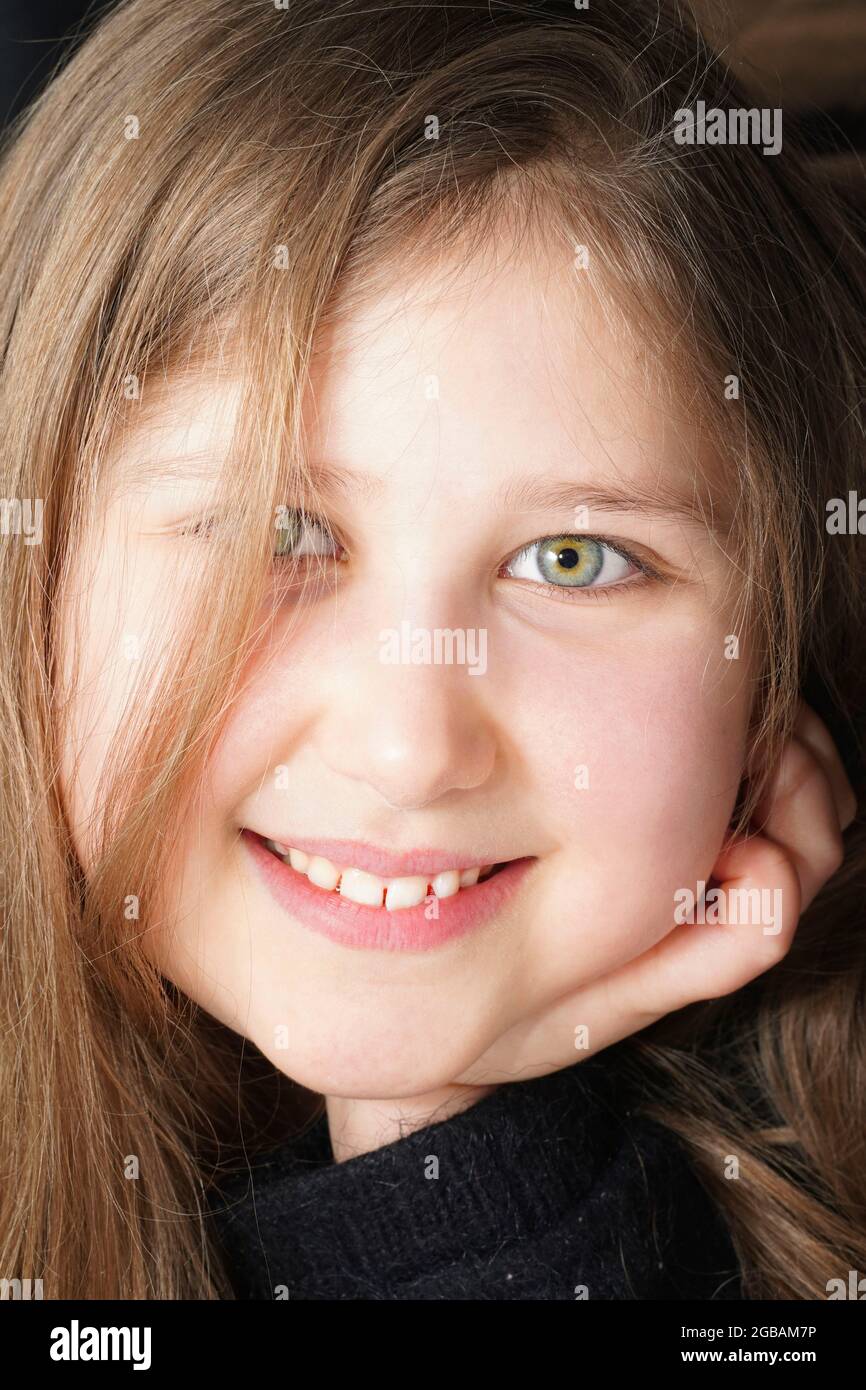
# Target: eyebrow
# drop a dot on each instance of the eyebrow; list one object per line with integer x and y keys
{"x": 201, "y": 465}
{"x": 529, "y": 494}
{"x": 533, "y": 494}
{"x": 541, "y": 494}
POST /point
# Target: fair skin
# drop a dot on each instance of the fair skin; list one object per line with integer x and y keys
{"x": 530, "y": 381}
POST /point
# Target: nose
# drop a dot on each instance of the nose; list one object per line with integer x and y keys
{"x": 412, "y": 733}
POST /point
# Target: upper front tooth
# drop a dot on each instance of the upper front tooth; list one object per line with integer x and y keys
{"x": 405, "y": 892}
{"x": 360, "y": 887}
{"x": 322, "y": 872}
{"x": 469, "y": 876}
{"x": 299, "y": 860}
{"x": 446, "y": 884}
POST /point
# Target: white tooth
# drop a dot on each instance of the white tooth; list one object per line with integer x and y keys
{"x": 446, "y": 884}
{"x": 361, "y": 887}
{"x": 323, "y": 873}
{"x": 298, "y": 860}
{"x": 469, "y": 876}
{"x": 405, "y": 892}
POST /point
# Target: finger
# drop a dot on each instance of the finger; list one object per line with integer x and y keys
{"x": 799, "y": 813}
{"x": 692, "y": 962}
{"x": 758, "y": 905}
{"x": 814, "y": 733}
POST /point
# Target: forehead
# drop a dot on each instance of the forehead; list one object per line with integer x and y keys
{"x": 505, "y": 365}
{"x": 180, "y": 431}
{"x": 511, "y": 371}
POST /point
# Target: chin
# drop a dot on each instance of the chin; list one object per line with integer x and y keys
{"x": 355, "y": 1066}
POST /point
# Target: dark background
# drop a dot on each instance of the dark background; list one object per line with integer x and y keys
{"x": 34, "y": 36}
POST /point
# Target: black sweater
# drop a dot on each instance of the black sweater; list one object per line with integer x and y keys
{"x": 553, "y": 1188}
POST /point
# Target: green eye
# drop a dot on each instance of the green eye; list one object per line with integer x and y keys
{"x": 300, "y": 535}
{"x": 573, "y": 562}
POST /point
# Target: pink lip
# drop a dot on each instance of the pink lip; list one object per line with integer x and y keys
{"x": 377, "y": 861}
{"x": 375, "y": 928}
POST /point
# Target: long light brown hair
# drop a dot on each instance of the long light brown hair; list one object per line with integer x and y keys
{"x": 214, "y": 182}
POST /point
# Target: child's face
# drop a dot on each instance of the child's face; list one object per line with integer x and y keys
{"x": 602, "y": 734}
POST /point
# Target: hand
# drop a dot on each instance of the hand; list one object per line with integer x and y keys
{"x": 808, "y": 804}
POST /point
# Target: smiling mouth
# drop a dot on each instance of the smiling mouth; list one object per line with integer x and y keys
{"x": 369, "y": 890}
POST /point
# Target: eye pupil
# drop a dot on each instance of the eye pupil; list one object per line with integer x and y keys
{"x": 575, "y": 562}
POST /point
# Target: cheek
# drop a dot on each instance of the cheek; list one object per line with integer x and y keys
{"x": 101, "y": 644}
{"x": 641, "y": 734}
{"x": 635, "y": 765}
{"x": 116, "y": 624}
{"x": 258, "y": 737}
{"x": 668, "y": 752}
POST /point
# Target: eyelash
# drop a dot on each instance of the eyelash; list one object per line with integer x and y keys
{"x": 648, "y": 574}
{"x": 204, "y": 527}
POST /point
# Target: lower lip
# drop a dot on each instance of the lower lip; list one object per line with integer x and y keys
{"x": 375, "y": 928}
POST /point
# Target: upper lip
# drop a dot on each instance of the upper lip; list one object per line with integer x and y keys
{"x": 359, "y": 855}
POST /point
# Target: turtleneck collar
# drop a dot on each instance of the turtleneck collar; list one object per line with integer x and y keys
{"x": 540, "y": 1189}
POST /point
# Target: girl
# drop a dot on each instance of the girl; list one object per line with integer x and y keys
{"x": 417, "y": 590}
